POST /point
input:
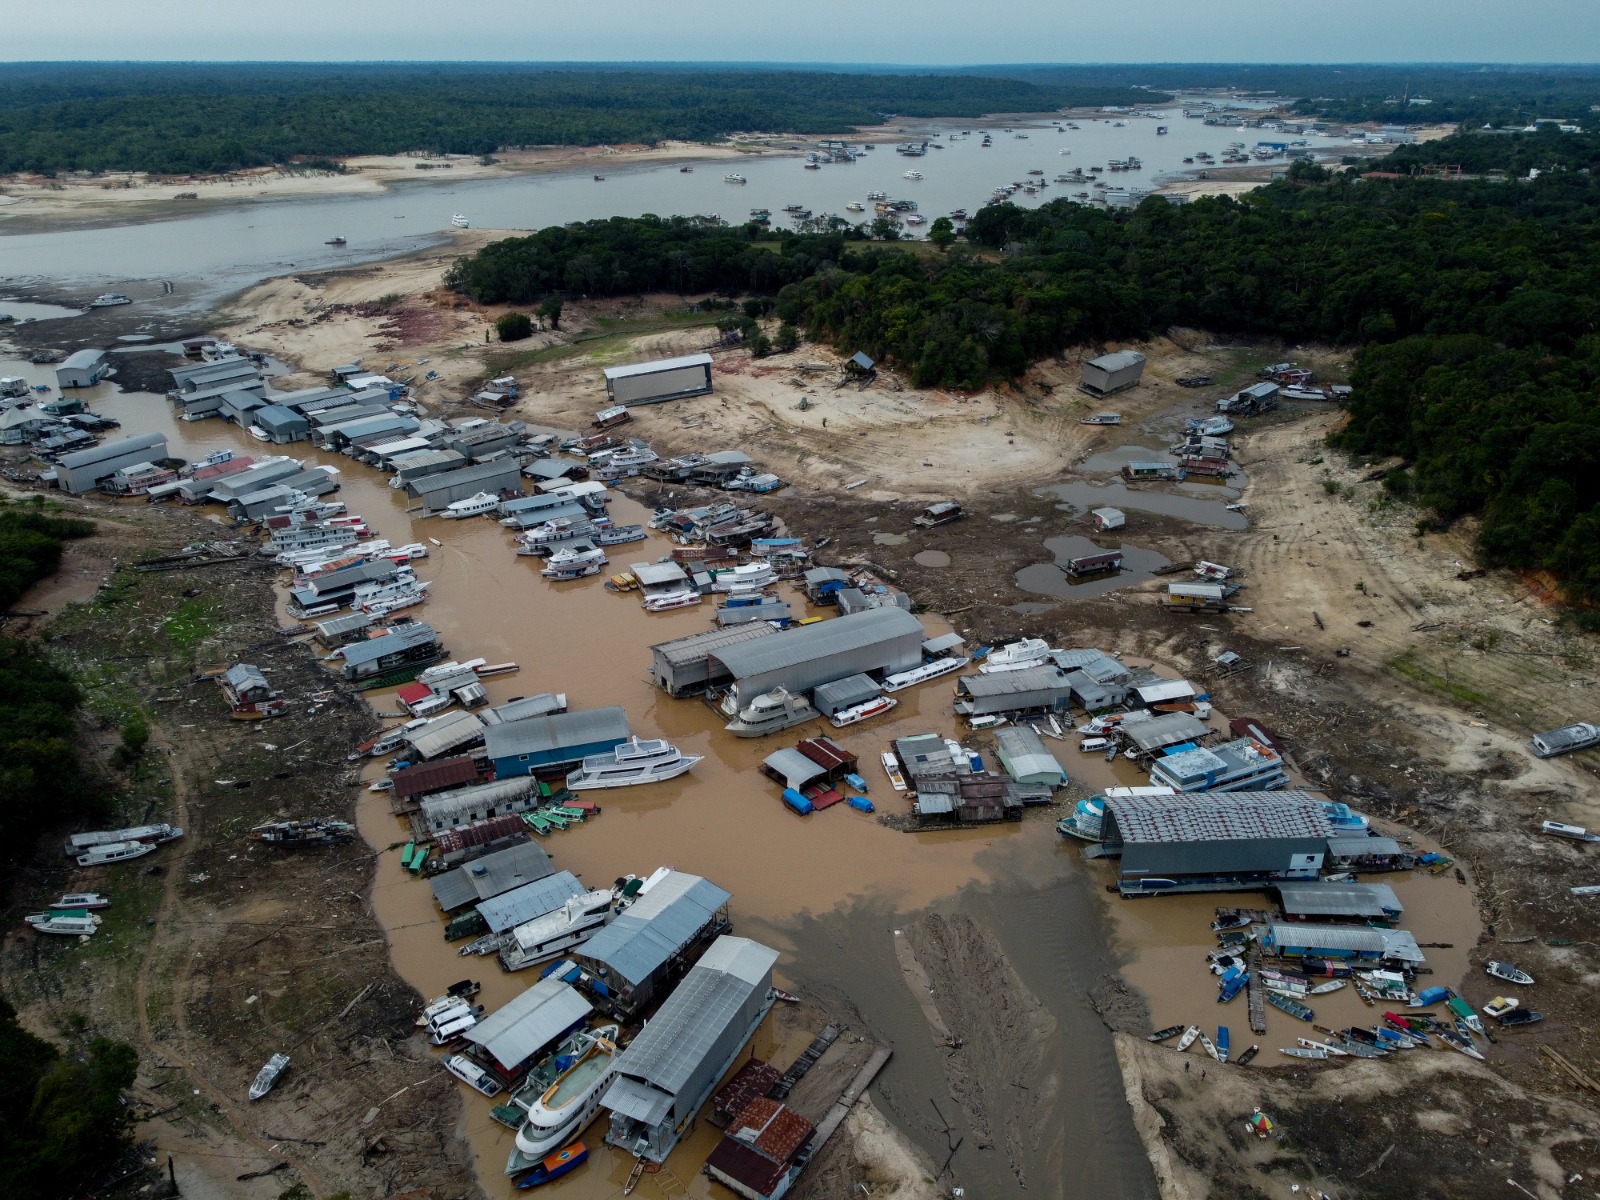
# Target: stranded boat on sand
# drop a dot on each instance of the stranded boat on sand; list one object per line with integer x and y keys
{"x": 269, "y": 1075}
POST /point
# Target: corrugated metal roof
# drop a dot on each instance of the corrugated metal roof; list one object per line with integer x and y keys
{"x": 428, "y": 484}
{"x": 673, "y": 1044}
{"x": 242, "y": 677}
{"x": 811, "y": 642}
{"x": 640, "y": 1101}
{"x": 1117, "y": 361}
{"x": 1218, "y": 816}
{"x": 792, "y": 766}
{"x": 446, "y": 733}
{"x": 660, "y": 364}
{"x": 1166, "y": 689}
{"x": 434, "y": 776}
{"x": 649, "y": 574}
{"x": 1351, "y": 847}
{"x": 557, "y": 731}
{"x": 771, "y": 1127}
{"x": 133, "y": 445}
{"x": 682, "y": 651}
{"x": 1339, "y": 899}
{"x": 1023, "y": 753}
{"x": 659, "y": 924}
{"x": 826, "y": 753}
{"x": 398, "y": 639}
{"x": 854, "y": 689}
{"x": 450, "y": 806}
{"x": 1329, "y": 937}
{"x": 1169, "y": 729}
{"x": 1014, "y": 683}
{"x": 532, "y": 899}
{"x": 517, "y": 1031}
{"x": 541, "y": 705}
{"x": 947, "y": 641}
{"x": 491, "y": 875}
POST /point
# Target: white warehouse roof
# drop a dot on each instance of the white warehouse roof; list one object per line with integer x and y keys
{"x": 660, "y": 364}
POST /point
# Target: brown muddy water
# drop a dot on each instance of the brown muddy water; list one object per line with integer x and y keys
{"x": 827, "y": 890}
{"x": 1048, "y": 579}
{"x": 1082, "y": 497}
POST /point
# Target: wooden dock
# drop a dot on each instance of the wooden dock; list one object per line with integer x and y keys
{"x": 1257, "y": 993}
{"x": 847, "y": 1099}
{"x": 808, "y": 1059}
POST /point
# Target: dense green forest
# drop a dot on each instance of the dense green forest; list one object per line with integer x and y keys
{"x": 40, "y": 777}
{"x": 178, "y": 118}
{"x": 1478, "y": 302}
{"x": 64, "y": 1120}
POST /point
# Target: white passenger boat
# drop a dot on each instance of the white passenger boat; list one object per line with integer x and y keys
{"x": 88, "y": 901}
{"x": 891, "y": 768}
{"x": 864, "y": 711}
{"x": 1018, "y": 656}
{"x": 109, "y": 300}
{"x": 634, "y": 762}
{"x": 114, "y": 852}
{"x": 568, "y": 1105}
{"x": 77, "y": 923}
{"x": 459, "y": 220}
{"x": 268, "y": 1076}
{"x": 734, "y": 177}
{"x": 472, "y": 506}
{"x": 471, "y": 1074}
{"x": 767, "y": 713}
{"x": 554, "y": 933}
{"x": 666, "y": 601}
{"x": 575, "y": 562}
{"x": 927, "y": 671}
{"x": 747, "y": 577}
{"x": 392, "y": 597}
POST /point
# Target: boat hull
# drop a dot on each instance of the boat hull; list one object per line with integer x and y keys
{"x": 681, "y": 767}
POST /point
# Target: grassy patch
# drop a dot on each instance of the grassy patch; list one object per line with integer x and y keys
{"x": 608, "y": 338}
{"x": 1407, "y": 665}
{"x": 190, "y": 625}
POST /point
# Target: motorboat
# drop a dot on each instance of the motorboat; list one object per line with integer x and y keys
{"x": 554, "y": 933}
{"x": 269, "y": 1075}
{"x": 617, "y": 535}
{"x": 767, "y": 713}
{"x": 855, "y": 206}
{"x": 459, "y": 220}
{"x": 747, "y": 577}
{"x": 685, "y": 597}
{"x": 71, "y": 923}
{"x": 393, "y": 597}
{"x": 891, "y": 768}
{"x": 865, "y": 711}
{"x": 87, "y": 901}
{"x": 566, "y": 1159}
{"x": 472, "y": 506}
{"x": 1508, "y": 972}
{"x": 734, "y": 177}
{"x": 471, "y": 1074}
{"x": 335, "y": 241}
{"x": 928, "y": 670}
{"x": 312, "y": 831}
{"x": 575, "y": 562}
{"x": 1189, "y": 1036}
{"x": 565, "y": 1108}
{"x": 912, "y": 175}
{"x": 113, "y": 852}
{"x": 1018, "y": 656}
{"x": 109, "y": 300}
{"x": 636, "y": 761}
{"x": 456, "y": 994}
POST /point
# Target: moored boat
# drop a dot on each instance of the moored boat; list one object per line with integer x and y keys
{"x": 932, "y": 669}
{"x": 864, "y": 711}
{"x": 1304, "y": 1051}
{"x": 1189, "y": 1036}
{"x": 565, "y": 1108}
{"x": 1289, "y": 1005}
{"x": 634, "y": 762}
{"x": 558, "y": 1164}
{"x": 114, "y": 852}
{"x": 891, "y": 768}
{"x": 1209, "y": 1046}
{"x": 1018, "y": 656}
{"x": 471, "y": 1074}
{"x": 1244, "y": 1059}
{"x": 768, "y": 713}
{"x": 472, "y": 506}
{"x": 1508, "y": 972}
{"x": 667, "y": 601}
{"x": 268, "y": 1076}
{"x": 1161, "y": 1035}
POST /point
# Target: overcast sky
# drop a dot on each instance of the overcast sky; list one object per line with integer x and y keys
{"x": 848, "y": 31}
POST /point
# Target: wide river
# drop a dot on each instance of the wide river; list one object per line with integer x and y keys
{"x": 220, "y": 249}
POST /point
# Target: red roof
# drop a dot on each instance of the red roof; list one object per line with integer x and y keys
{"x": 230, "y": 467}
{"x": 479, "y": 834}
{"x": 761, "y": 1144}
{"x": 755, "y": 1078}
{"x": 413, "y": 692}
{"x": 434, "y": 776}
{"x": 826, "y": 753}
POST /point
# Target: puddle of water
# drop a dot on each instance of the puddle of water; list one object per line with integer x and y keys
{"x": 1029, "y": 608}
{"x": 28, "y": 310}
{"x": 889, "y": 539}
{"x": 1111, "y": 462}
{"x": 1085, "y": 496}
{"x": 1003, "y": 518}
{"x": 1048, "y": 579}
{"x": 931, "y": 558}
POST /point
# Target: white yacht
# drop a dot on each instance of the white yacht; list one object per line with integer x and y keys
{"x": 459, "y": 220}
{"x": 685, "y": 597}
{"x": 109, "y": 300}
{"x": 392, "y": 597}
{"x": 928, "y": 670}
{"x": 734, "y": 177}
{"x": 1018, "y": 656}
{"x": 855, "y": 206}
{"x": 88, "y": 901}
{"x": 635, "y": 761}
{"x": 471, "y": 1074}
{"x": 767, "y": 713}
{"x": 864, "y": 711}
{"x": 113, "y": 852}
{"x": 71, "y": 924}
{"x": 747, "y": 577}
{"x": 472, "y": 506}
{"x": 568, "y": 1105}
{"x": 574, "y": 562}
{"x": 554, "y": 933}
{"x": 912, "y": 175}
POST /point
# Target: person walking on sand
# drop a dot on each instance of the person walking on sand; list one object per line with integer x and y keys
{"x": 1202, "y": 1073}
{"x": 1186, "y": 1067}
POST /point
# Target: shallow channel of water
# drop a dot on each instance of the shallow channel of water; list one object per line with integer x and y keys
{"x": 1086, "y": 496}
{"x": 1048, "y": 579}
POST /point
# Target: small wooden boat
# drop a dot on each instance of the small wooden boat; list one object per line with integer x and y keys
{"x": 1508, "y": 972}
{"x": 1161, "y": 1035}
{"x": 1325, "y": 1046}
{"x": 787, "y": 997}
{"x": 1101, "y": 418}
{"x": 1457, "y": 1042}
{"x": 1333, "y": 985}
{"x": 554, "y": 1167}
{"x": 1209, "y": 1047}
{"x": 1223, "y": 1042}
{"x": 1244, "y": 1059}
{"x": 1303, "y": 1052}
{"x": 1188, "y": 1037}
{"x": 1289, "y": 1005}
{"x": 269, "y": 1075}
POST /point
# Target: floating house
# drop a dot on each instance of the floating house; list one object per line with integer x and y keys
{"x": 1112, "y": 372}
{"x": 830, "y": 698}
{"x": 549, "y": 743}
{"x": 670, "y": 1069}
{"x": 515, "y": 1036}
{"x": 1368, "y": 854}
{"x": 763, "y": 1151}
{"x": 478, "y": 802}
{"x": 412, "y": 783}
{"x": 1237, "y": 841}
{"x": 883, "y": 640}
{"x": 402, "y": 645}
{"x": 1164, "y": 732}
{"x": 968, "y": 799}
{"x": 528, "y": 902}
{"x": 1242, "y": 766}
{"x": 1107, "y": 519}
{"x": 434, "y": 493}
{"x": 246, "y": 689}
{"x": 659, "y": 381}
{"x": 1196, "y": 597}
{"x": 85, "y": 368}
{"x": 83, "y": 471}
{"x": 281, "y": 425}
{"x": 632, "y": 960}
{"x": 1034, "y": 689}
{"x": 447, "y": 734}
{"x": 686, "y": 665}
{"x": 490, "y": 876}
{"x": 1023, "y": 756}
{"x": 1339, "y": 901}
{"x": 1343, "y": 942}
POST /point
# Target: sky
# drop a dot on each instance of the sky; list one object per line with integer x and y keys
{"x": 930, "y": 32}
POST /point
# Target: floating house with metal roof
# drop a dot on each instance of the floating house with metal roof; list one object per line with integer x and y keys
{"x": 763, "y": 1151}
{"x": 536, "y": 744}
{"x": 411, "y": 783}
{"x": 1112, "y": 372}
{"x": 670, "y": 1069}
{"x": 1023, "y": 755}
{"x": 1325, "y": 901}
{"x": 1217, "y": 842}
{"x": 478, "y": 802}
{"x": 1034, "y": 689}
{"x": 687, "y": 665}
{"x": 434, "y": 493}
{"x": 511, "y": 1039}
{"x": 659, "y": 381}
{"x": 1241, "y": 766}
{"x": 492, "y": 875}
{"x": 413, "y": 642}
{"x": 1362, "y": 942}
{"x": 631, "y": 960}
{"x": 528, "y": 902}
{"x": 883, "y": 640}
{"x": 1165, "y": 731}
{"x": 83, "y": 471}
{"x": 452, "y": 731}
{"x": 1362, "y": 853}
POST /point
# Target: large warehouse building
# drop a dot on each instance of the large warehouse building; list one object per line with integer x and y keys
{"x": 544, "y": 743}
{"x": 687, "y": 665}
{"x": 1112, "y": 372}
{"x": 1219, "y": 842}
{"x": 885, "y": 640}
{"x": 81, "y": 472}
{"x": 662, "y": 380}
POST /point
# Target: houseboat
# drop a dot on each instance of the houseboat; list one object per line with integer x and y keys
{"x": 634, "y": 762}
{"x": 767, "y": 713}
{"x": 554, "y": 933}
